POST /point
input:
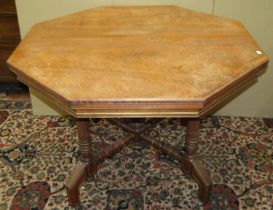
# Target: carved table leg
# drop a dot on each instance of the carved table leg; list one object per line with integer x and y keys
{"x": 85, "y": 167}
{"x": 194, "y": 165}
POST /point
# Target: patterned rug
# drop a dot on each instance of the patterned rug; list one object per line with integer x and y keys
{"x": 38, "y": 152}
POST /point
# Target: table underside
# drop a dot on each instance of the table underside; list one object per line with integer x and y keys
{"x": 88, "y": 163}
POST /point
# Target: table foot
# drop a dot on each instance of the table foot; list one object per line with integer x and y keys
{"x": 73, "y": 183}
{"x": 194, "y": 168}
{"x": 201, "y": 176}
{"x": 85, "y": 167}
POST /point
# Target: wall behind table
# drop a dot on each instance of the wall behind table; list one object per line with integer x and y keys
{"x": 254, "y": 14}
{"x": 257, "y": 16}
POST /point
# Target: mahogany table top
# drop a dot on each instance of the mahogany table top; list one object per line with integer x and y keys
{"x": 137, "y": 61}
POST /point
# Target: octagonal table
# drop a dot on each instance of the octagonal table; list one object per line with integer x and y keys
{"x": 136, "y": 62}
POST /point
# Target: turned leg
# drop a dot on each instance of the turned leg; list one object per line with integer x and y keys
{"x": 192, "y": 137}
{"x": 85, "y": 147}
{"x": 85, "y": 167}
{"x": 194, "y": 165}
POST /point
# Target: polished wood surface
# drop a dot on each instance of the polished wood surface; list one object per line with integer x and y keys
{"x": 9, "y": 38}
{"x": 137, "y": 61}
{"x": 7, "y": 7}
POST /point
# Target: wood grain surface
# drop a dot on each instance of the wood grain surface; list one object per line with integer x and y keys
{"x": 9, "y": 38}
{"x": 137, "y": 61}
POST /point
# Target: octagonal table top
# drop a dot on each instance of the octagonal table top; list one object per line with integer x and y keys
{"x": 140, "y": 61}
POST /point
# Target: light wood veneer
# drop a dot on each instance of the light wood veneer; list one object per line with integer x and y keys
{"x": 137, "y": 61}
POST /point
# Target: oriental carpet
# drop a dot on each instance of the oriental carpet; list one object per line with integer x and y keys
{"x": 38, "y": 152}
